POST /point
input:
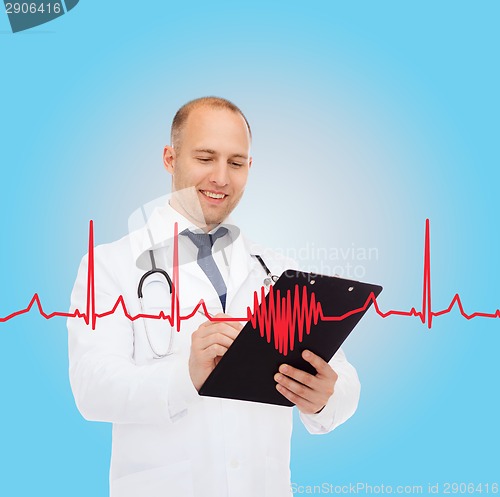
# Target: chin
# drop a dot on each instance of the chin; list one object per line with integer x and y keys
{"x": 213, "y": 222}
{"x": 214, "y": 217}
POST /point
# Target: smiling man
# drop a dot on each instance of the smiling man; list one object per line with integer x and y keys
{"x": 143, "y": 376}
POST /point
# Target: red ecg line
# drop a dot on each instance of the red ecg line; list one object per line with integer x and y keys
{"x": 277, "y": 314}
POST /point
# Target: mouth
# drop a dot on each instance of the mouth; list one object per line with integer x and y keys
{"x": 214, "y": 196}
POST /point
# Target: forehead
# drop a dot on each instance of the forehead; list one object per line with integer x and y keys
{"x": 217, "y": 128}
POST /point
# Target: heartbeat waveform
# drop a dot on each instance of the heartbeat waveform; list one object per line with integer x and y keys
{"x": 277, "y": 314}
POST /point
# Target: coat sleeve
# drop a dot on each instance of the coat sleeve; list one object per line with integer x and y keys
{"x": 343, "y": 402}
{"x": 107, "y": 384}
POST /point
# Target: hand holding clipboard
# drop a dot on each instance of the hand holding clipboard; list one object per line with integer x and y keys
{"x": 247, "y": 370}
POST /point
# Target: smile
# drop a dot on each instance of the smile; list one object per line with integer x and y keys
{"x": 213, "y": 194}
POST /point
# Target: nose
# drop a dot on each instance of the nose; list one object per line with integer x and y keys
{"x": 219, "y": 174}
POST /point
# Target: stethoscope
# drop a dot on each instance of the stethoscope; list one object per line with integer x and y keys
{"x": 270, "y": 279}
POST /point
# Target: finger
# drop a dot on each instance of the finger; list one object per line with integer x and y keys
{"x": 227, "y": 330}
{"x": 299, "y": 375}
{"x": 235, "y": 324}
{"x": 302, "y": 404}
{"x": 214, "y": 350}
{"x": 224, "y": 328}
{"x": 297, "y": 388}
{"x": 205, "y": 324}
{"x": 215, "y": 338}
{"x": 319, "y": 364}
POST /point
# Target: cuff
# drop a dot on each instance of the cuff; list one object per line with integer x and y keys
{"x": 322, "y": 421}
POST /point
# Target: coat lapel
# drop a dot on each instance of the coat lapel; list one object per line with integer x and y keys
{"x": 245, "y": 272}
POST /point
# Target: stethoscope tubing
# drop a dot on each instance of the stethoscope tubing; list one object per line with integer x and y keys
{"x": 154, "y": 269}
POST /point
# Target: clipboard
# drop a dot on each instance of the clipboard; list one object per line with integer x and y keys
{"x": 247, "y": 369}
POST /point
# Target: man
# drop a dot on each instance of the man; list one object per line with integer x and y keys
{"x": 144, "y": 378}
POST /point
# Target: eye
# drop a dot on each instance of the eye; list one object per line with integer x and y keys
{"x": 236, "y": 164}
{"x": 204, "y": 159}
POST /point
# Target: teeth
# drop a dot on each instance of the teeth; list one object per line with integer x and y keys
{"x": 213, "y": 195}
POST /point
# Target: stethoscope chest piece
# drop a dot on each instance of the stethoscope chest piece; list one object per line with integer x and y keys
{"x": 271, "y": 278}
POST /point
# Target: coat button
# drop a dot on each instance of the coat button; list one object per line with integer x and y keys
{"x": 234, "y": 464}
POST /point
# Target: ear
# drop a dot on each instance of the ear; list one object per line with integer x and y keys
{"x": 169, "y": 158}
{"x": 250, "y": 162}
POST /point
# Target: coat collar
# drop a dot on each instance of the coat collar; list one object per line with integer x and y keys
{"x": 158, "y": 233}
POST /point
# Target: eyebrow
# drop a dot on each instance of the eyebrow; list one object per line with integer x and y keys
{"x": 213, "y": 152}
{"x": 205, "y": 150}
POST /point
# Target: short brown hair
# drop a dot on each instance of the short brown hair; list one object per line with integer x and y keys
{"x": 213, "y": 102}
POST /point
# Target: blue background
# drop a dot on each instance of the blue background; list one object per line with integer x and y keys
{"x": 368, "y": 117}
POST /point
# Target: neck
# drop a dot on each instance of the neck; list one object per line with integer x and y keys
{"x": 196, "y": 221}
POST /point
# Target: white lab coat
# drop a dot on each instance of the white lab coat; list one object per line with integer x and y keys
{"x": 168, "y": 440}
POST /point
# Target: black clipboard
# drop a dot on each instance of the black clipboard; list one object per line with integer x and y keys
{"x": 247, "y": 369}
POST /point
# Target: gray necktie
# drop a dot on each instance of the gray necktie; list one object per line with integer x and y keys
{"x": 204, "y": 242}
